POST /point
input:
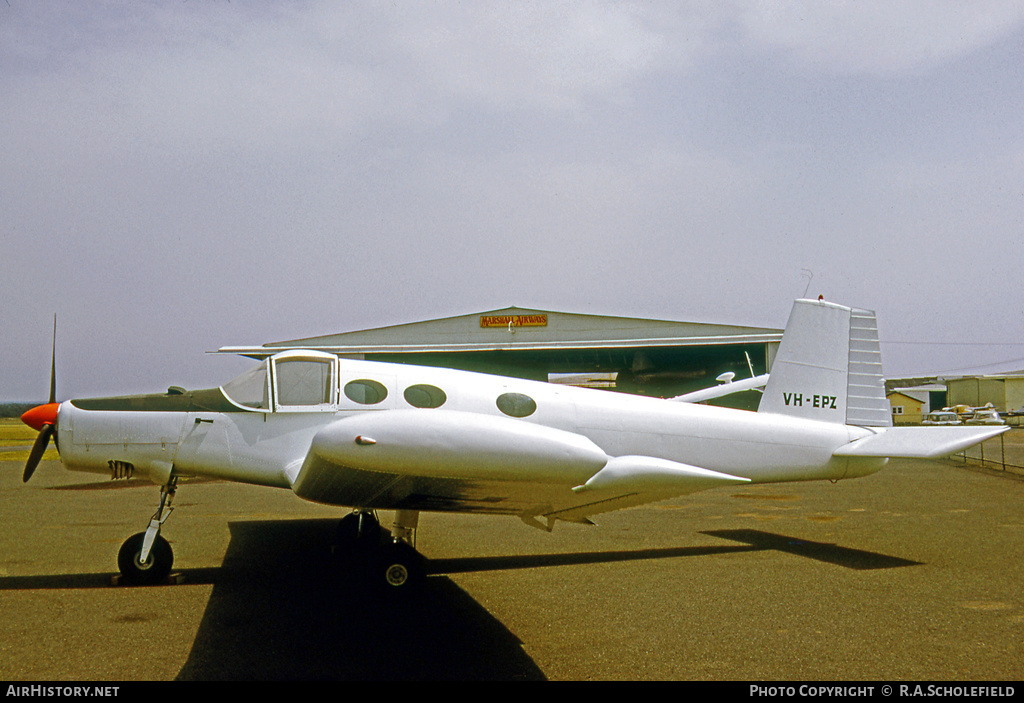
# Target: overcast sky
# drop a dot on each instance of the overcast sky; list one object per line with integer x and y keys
{"x": 180, "y": 176}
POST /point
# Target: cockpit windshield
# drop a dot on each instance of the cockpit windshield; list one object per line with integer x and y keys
{"x": 250, "y": 389}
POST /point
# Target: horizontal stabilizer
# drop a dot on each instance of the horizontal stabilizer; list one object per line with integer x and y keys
{"x": 646, "y": 474}
{"x": 918, "y": 442}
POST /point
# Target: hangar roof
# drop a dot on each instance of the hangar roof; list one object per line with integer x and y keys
{"x": 515, "y": 328}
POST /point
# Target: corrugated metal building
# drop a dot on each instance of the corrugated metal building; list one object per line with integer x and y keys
{"x": 1005, "y": 391}
{"x": 652, "y": 357}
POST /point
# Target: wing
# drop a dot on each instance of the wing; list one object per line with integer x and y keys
{"x": 466, "y": 462}
{"x": 726, "y": 388}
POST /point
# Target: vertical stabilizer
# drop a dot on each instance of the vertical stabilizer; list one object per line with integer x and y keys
{"x": 829, "y": 367}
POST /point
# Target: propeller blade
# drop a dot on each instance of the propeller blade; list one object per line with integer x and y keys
{"x": 37, "y": 452}
{"x": 43, "y": 417}
{"x": 53, "y": 363}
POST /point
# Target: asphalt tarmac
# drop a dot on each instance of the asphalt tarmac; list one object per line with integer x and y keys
{"x": 913, "y": 573}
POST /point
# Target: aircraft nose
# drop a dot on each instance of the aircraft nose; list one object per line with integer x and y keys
{"x": 41, "y": 415}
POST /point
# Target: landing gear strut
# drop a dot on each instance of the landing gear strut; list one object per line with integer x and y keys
{"x": 146, "y": 557}
{"x": 387, "y": 558}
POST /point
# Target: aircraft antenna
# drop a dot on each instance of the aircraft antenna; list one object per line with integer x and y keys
{"x": 810, "y": 277}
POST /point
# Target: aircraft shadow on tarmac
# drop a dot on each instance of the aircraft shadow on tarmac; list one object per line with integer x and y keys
{"x": 754, "y": 541}
{"x": 820, "y": 551}
{"x": 281, "y": 609}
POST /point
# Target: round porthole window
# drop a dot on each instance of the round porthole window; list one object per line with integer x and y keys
{"x": 516, "y": 404}
{"x": 425, "y": 396}
{"x": 365, "y": 392}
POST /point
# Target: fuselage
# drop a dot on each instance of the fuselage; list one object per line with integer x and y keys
{"x": 265, "y": 441}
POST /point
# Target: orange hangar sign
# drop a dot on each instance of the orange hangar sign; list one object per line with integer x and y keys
{"x": 513, "y": 321}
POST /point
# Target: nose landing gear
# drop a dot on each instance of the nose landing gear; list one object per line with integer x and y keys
{"x": 146, "y": 557}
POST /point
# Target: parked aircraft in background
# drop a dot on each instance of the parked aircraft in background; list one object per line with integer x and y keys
{"x": 370, "y": 435}
{"x": 941, "y": 417}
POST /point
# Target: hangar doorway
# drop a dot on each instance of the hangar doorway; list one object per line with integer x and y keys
{"x": 660, "y": 358}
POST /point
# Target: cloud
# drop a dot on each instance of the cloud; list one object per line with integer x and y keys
{"x": 170, "y": 168}
{"x": 532, "y": 55}
{"x": 877, "y": 36}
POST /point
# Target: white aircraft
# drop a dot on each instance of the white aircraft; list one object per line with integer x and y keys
{"x": 371, "y": 436}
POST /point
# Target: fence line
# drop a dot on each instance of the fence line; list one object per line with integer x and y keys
{"x": 1005, "y": 452}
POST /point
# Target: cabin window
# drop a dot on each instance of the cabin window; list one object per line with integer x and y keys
{"x": 303, "y": 382}
{"x": 365, "y": 392}
{"x": 250, "y": 389}
{"x": 425, "y": 396}
{"x": 516, "y": 404}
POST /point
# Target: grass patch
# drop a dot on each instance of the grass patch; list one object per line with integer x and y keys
{"x": 15, "y": 433}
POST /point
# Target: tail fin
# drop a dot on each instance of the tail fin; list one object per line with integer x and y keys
{"x": 829, "y": 367}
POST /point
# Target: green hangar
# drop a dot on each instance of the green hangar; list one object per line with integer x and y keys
{"x": 650, "y": 357}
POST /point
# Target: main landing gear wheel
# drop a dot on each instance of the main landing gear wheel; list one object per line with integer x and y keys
{"x": 155, "y": 569}
{"x": 401, "y": 567}
{"x": 382, "y": 561}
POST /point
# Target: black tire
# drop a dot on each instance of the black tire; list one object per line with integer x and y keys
{"x": 400, "y": 568}
{"x": 156, "y": 568}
